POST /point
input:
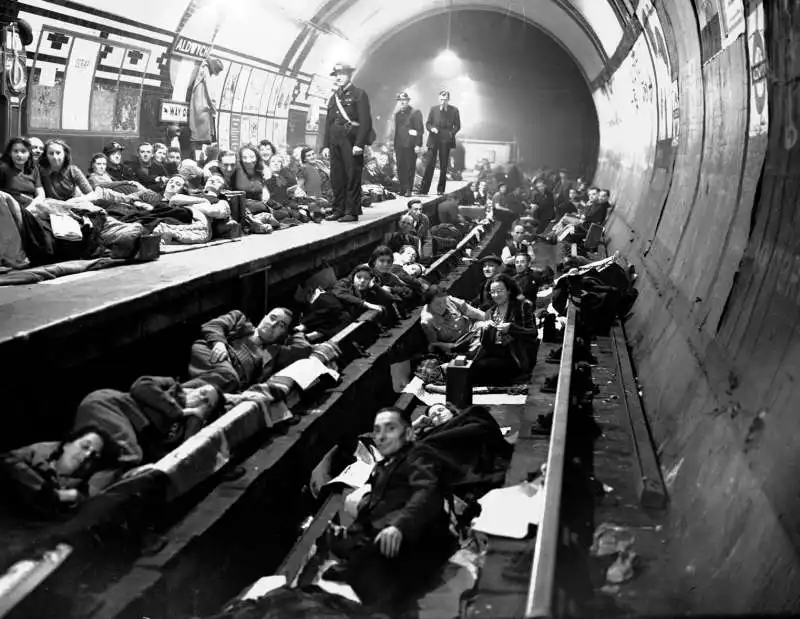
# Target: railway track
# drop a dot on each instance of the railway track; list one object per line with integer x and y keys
{"x": 124, "y": 549}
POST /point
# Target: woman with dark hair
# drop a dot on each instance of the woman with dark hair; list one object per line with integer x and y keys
{"x": 510, "y": 339}
{"x": 51, "y": 477}
{"x": 445, "y": 319}
{"x": 61, "y": 179}
{"x": 249, "y": 177}
{"x": 266, "y": 149}
{"x": 19, "y": 174}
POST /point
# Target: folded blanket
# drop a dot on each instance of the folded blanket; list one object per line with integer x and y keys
{"x": 53, "y": 271}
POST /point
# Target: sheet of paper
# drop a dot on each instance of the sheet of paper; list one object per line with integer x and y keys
{"x": 508, "y": 512}
{"x": 357, "y": 474}
{"x": 264, "y": 585}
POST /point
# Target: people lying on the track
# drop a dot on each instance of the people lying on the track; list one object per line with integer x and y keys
{"x": 381, "y": 262}
{"x": 446, "y": 320}
{"x": 400, "y": 536}
{"x": 149, "y": 173}
{"x": 517, "y": 244}
{"x": 51, "y": 478}
{"x": 525, "y": 278}
{"x": 510, "y": 338}
{"x": 330, "y": 311}
{"x": 19, "y": 173}
{"x": 147, "y": 422}
{"x": 435, "y": 415}
{"x": 406, "y": 234}
{"x": 233, "y": 354}
{"x": 409, "y": 270}
{"x": 491, "y": 265}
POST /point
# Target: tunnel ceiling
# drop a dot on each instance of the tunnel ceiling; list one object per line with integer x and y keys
{"x": 309, "y": 36}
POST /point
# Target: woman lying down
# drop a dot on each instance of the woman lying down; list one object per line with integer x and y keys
{"x": 114, "y": 432}
{"x": 398, "y": 535}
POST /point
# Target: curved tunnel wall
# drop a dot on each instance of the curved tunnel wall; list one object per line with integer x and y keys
{"x": 692, "y": 147}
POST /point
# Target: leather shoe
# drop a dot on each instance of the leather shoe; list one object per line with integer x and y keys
{"x": 334, "y": 217}
{"x": 347, "y": 219}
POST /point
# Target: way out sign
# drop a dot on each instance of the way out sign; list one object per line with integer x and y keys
{"x": 174, "y": 112}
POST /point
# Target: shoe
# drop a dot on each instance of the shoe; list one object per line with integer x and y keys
{"x": 334, "y": 217}
{"x": 347, "y": 219}
{"x": 440, "y": 193}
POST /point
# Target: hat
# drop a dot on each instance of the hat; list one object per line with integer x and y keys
{"x": 360, "y": 267}
{"x": 403, "y": 96}
{"x": 444, "y": 92}
{"x": 491, "y": 258}
{"x": 112, "y": 147}
{"x": 342, "y": 67}
{"x": 413, "y": 201}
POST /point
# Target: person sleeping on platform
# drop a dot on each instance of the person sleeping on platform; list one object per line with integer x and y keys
{"x": 233, "y": 354}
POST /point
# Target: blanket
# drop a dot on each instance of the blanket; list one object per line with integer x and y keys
{"x": 52, "y": 271}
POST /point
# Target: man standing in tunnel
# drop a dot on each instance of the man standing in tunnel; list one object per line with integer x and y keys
{"x": 443, "y": 123}
{"x": 348, "y": 129}
{"x": 408, "y": 130}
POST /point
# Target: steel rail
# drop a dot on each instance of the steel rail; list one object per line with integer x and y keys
{"x": 541, "y": 591}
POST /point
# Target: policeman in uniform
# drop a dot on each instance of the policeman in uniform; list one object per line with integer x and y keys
{"x": 348, "y": 128}
{"x": 444, "y": 121}
{"x": 408, "y": 130}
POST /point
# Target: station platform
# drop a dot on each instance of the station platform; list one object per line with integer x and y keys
{"x": 100, "y": 328}
{"x": 31, "y": 310}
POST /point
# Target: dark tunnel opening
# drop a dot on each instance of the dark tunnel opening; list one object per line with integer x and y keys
{"x": 513, "y": 76}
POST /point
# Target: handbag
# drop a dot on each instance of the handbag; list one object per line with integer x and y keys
{"x": 371, "y": 136}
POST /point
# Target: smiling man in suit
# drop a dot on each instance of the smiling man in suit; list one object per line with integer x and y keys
{"x": 444, "y": 121}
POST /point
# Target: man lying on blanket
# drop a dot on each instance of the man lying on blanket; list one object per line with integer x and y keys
{"x": 233, "y": 354}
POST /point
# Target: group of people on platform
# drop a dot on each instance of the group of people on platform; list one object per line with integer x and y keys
{"x": 51, "y": 210}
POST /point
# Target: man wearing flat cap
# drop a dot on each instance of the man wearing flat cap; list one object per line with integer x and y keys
{"x": 408, "y": 130}
{"x": 348, "y": 129}
{"x": 443, "y": 123}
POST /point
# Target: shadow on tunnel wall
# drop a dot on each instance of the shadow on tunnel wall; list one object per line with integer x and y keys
{"x": 513, "y": 82}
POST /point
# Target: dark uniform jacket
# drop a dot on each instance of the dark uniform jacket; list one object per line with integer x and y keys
{"x": 356, "y": 103}
{"x": 404, "y": 120}
{"x": 448, "y": 122}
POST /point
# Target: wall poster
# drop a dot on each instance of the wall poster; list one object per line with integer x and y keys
{"x": 66, "y": 67}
